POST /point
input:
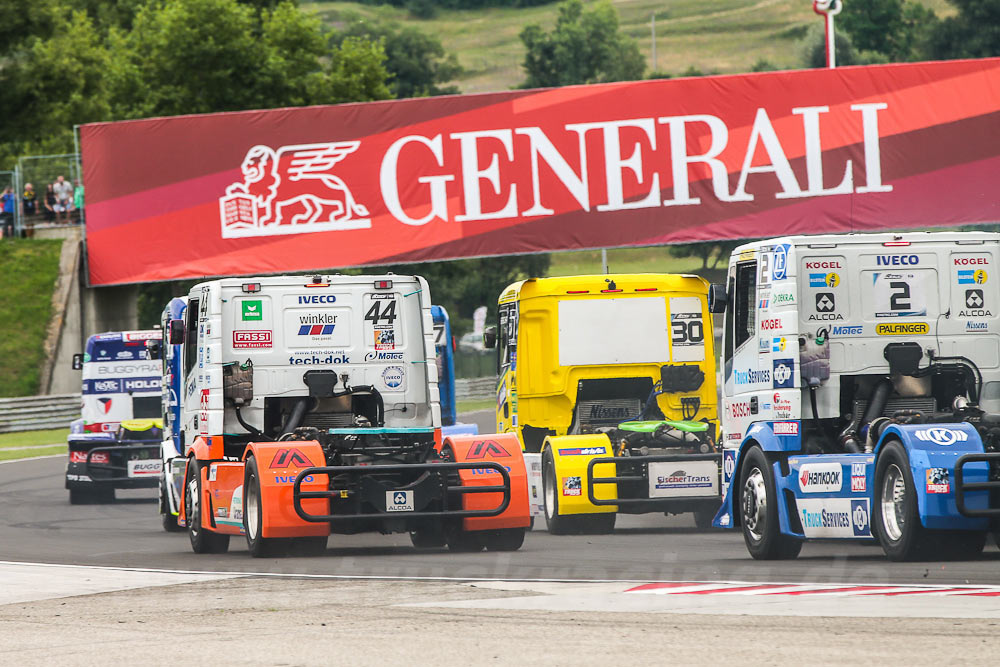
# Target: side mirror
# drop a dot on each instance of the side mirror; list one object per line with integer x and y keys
{"x": 717, "y": 298}
{"x": 77, "y": 362}
{"x": 176, "y": 331}
{"x": 154, "y": 350}
{"x": 490, "y": 338}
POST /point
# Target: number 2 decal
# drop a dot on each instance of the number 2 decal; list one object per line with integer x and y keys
{"x": 900, "y": 297}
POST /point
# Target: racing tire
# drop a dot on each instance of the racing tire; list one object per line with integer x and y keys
{"x": 703, "y": 517}
{"x": 202, "y": 541}
{"x": 91, "y": 496}
{"x": 253, "y": 517}
{"x": 167, "y": 520}
{"x": 504, "y": 539}
{"x": 464, "y": 541}
{"x": 431, "y": 537}
{"x": 555, "y": 523}
{"x": 595, "y": 524}
{"x": 759, "y": 511}
{"x": 308, "y": 547}
{"x": 895, "y": 517}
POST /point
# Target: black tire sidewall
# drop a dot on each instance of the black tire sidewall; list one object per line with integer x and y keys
{"x": 256, "y": 546}
{"x": 909, "y": 542}
{"x": 556, "y": 525}
{"x": 773, "y": 544}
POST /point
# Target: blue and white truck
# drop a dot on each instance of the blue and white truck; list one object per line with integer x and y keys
{"x": 861, "y": 393}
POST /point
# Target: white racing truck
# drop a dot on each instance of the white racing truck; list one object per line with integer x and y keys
{"x": 861, "y": 392}
{"x": 310, "y": 406}
{"x": 116, "y": 442}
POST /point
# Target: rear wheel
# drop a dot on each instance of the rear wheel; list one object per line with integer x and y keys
{"x": 505, "y": 539}
{"x": 557, "y": 525}
{"x": 203, "y": 541}
{"x": 253, "y": 517}
{"x": 168, "y": 520}
{"x": 759, "y": 511}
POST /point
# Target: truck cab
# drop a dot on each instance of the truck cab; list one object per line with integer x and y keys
{"x": 172, "y": 452}
{"x": 115, "y": 442}
{"x": 861, "y": 374}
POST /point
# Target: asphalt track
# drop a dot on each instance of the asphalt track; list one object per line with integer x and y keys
{"x": 37, "y": 524}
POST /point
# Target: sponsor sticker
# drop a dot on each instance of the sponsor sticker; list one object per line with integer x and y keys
{"x": 393, "y": 376}
{"x": 785, "y": 428}
{"x": 752, "y": 376}
{"x": 846, "y": 330}
{"x": 937, "y": 480}
{"x": 824, "y": 279}
{"x": 399, "y": 501}
{"x": 694, "y": 479}
{"x": 780, "y": 269}
{"x": 252, "y": 310}
{"x": 834, "y": 517}
{"x": 972, "y": 277}
{"x": 901, "y": 329}
{"x": 858, "y": 478}
{"x": 778, "y": 344}
{"x": 385, "y": 339}
{"x": 81, "y": 457}
{"x": 728, "y": 465}
{"x": 941, "y": 436}
{"x": 144, "y": 467}
{"x": 571, "y": 486}
{"x": 821, "y": 477}
{"x": 784, "y": 373}
{"x": 252, "y": 340}
{"x": 582, "y": 451}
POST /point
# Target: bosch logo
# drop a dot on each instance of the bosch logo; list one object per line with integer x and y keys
{"x": 970, "y": 261}
{"x": 941, "y": 436}
{"x": 318, "y": 298}
{"x": 770, "y": 325}
{"x": 823, "y": 265}
{"x": 738, "y": 410}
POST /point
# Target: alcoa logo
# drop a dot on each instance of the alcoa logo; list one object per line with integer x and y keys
{"x": 941, "y": 436}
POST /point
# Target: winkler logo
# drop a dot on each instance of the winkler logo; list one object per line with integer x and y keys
{"x": 291, "y": 191}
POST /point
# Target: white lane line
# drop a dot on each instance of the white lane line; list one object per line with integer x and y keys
{"x": 35, "y": 458}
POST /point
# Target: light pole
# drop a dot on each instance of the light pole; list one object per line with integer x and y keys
{"x": 828, "y": 9}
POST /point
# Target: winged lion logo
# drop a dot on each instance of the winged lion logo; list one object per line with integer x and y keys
{"x": 291, "y": 191}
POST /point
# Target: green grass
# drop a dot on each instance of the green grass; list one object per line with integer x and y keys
{"x": 11, "y": 454}
{"x": 33, "y": 438}
{"x": 28, "y": 272}
{"x": 724, "y": 35}
{"x": 473, "y": 406}
{"x": 621, "y": 260}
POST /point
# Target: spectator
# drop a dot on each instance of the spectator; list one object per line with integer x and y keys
{"x": 78, "y": 196}
{"x": 29, "y": 200}
{"x": 50, "y": 203}
{"x": 64, "y": 197}
{"x": 9, "y": 201}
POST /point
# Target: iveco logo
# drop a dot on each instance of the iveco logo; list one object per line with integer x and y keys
{"x": 941, "y": 436}
{"x": 318, "y": 298}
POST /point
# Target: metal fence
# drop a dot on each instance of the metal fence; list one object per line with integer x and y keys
{"x": 33, "y": 413}
{"x": 40, "y": 171}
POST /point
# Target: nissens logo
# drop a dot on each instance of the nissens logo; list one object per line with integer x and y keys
{"x": 821, "y": 477}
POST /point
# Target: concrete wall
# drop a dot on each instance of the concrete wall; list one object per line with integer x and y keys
{"x": 79, "y": 312}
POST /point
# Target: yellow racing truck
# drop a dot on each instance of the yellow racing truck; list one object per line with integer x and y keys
{"x": 609, "y": 383}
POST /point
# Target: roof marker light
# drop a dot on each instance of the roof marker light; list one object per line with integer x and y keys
{"x": 645, "y": 289}
{"x": 251, "y": 288}
{"x": 383, "y": 284}
{"x": 578, "y": 291}
{"x": 892, "y": 244}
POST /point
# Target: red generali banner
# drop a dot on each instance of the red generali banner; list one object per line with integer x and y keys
{"x": 634, "y": 163}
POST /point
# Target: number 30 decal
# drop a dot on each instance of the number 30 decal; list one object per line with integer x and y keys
{"x": 687, "y": 331}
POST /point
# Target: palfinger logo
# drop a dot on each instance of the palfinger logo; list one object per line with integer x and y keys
{"x": 291, "y": 191}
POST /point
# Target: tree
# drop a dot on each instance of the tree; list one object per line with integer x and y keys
{"x": 417, "y": 62}
{"x": 586, "y": 46}
{"x": 973, "y": 33}
{"x": 717, "y": 251}
{"x": 814, "y": 48}
{"x": 895, "y": 28}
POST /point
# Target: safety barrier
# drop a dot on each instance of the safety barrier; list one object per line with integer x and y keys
{"x": 475, "y": 388}
{"x": 32, "y": 413}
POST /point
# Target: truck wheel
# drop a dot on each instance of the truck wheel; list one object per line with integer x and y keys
{"x": 703, "y": 516}
{"x": 595, "y": 524}
{"x": 431, "y": 537}
{"x": 168, "y": 520}
{"x": 253, "y": 517}
{"x": 505, "y": 539}
{"x": 202, "y": 541}
{"x": 463, "y": 541}
{"x": 557, "y": 525}
{"x": 759, "y": 511}
{"x": 895, "y": 518}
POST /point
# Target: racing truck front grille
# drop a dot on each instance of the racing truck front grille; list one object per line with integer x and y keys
{"x": 609, "y": 412}
{"x": 894, "y": 405}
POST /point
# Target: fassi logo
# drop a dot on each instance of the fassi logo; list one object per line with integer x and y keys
{"x": 293, "y": 190}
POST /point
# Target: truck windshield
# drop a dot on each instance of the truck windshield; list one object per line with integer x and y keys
{"x": 613, "y": 331}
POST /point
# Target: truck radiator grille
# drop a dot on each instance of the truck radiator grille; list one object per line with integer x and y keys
{"x": 894, "y": 405}
{"x": 325, "y": 420}
{"x": 607, "y": 413}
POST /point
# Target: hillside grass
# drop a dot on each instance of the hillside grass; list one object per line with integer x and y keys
{"x": 727, "y": 36}
{"x": 28, "y": 272}
{"x": 47, "y": 436}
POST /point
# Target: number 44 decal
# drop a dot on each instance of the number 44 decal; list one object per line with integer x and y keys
{"x": 376, "y": 314}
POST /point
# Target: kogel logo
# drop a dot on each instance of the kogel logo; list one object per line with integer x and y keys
{"x": 970, "y": 261}
{"x": 941, "y": 436}
{"x": 318, "y": 298}
{"x": 820, "y": 477}
{"x": 770, "y": 325}
{"x": 897, "y": 260}
{"x": 823, "y": 265}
